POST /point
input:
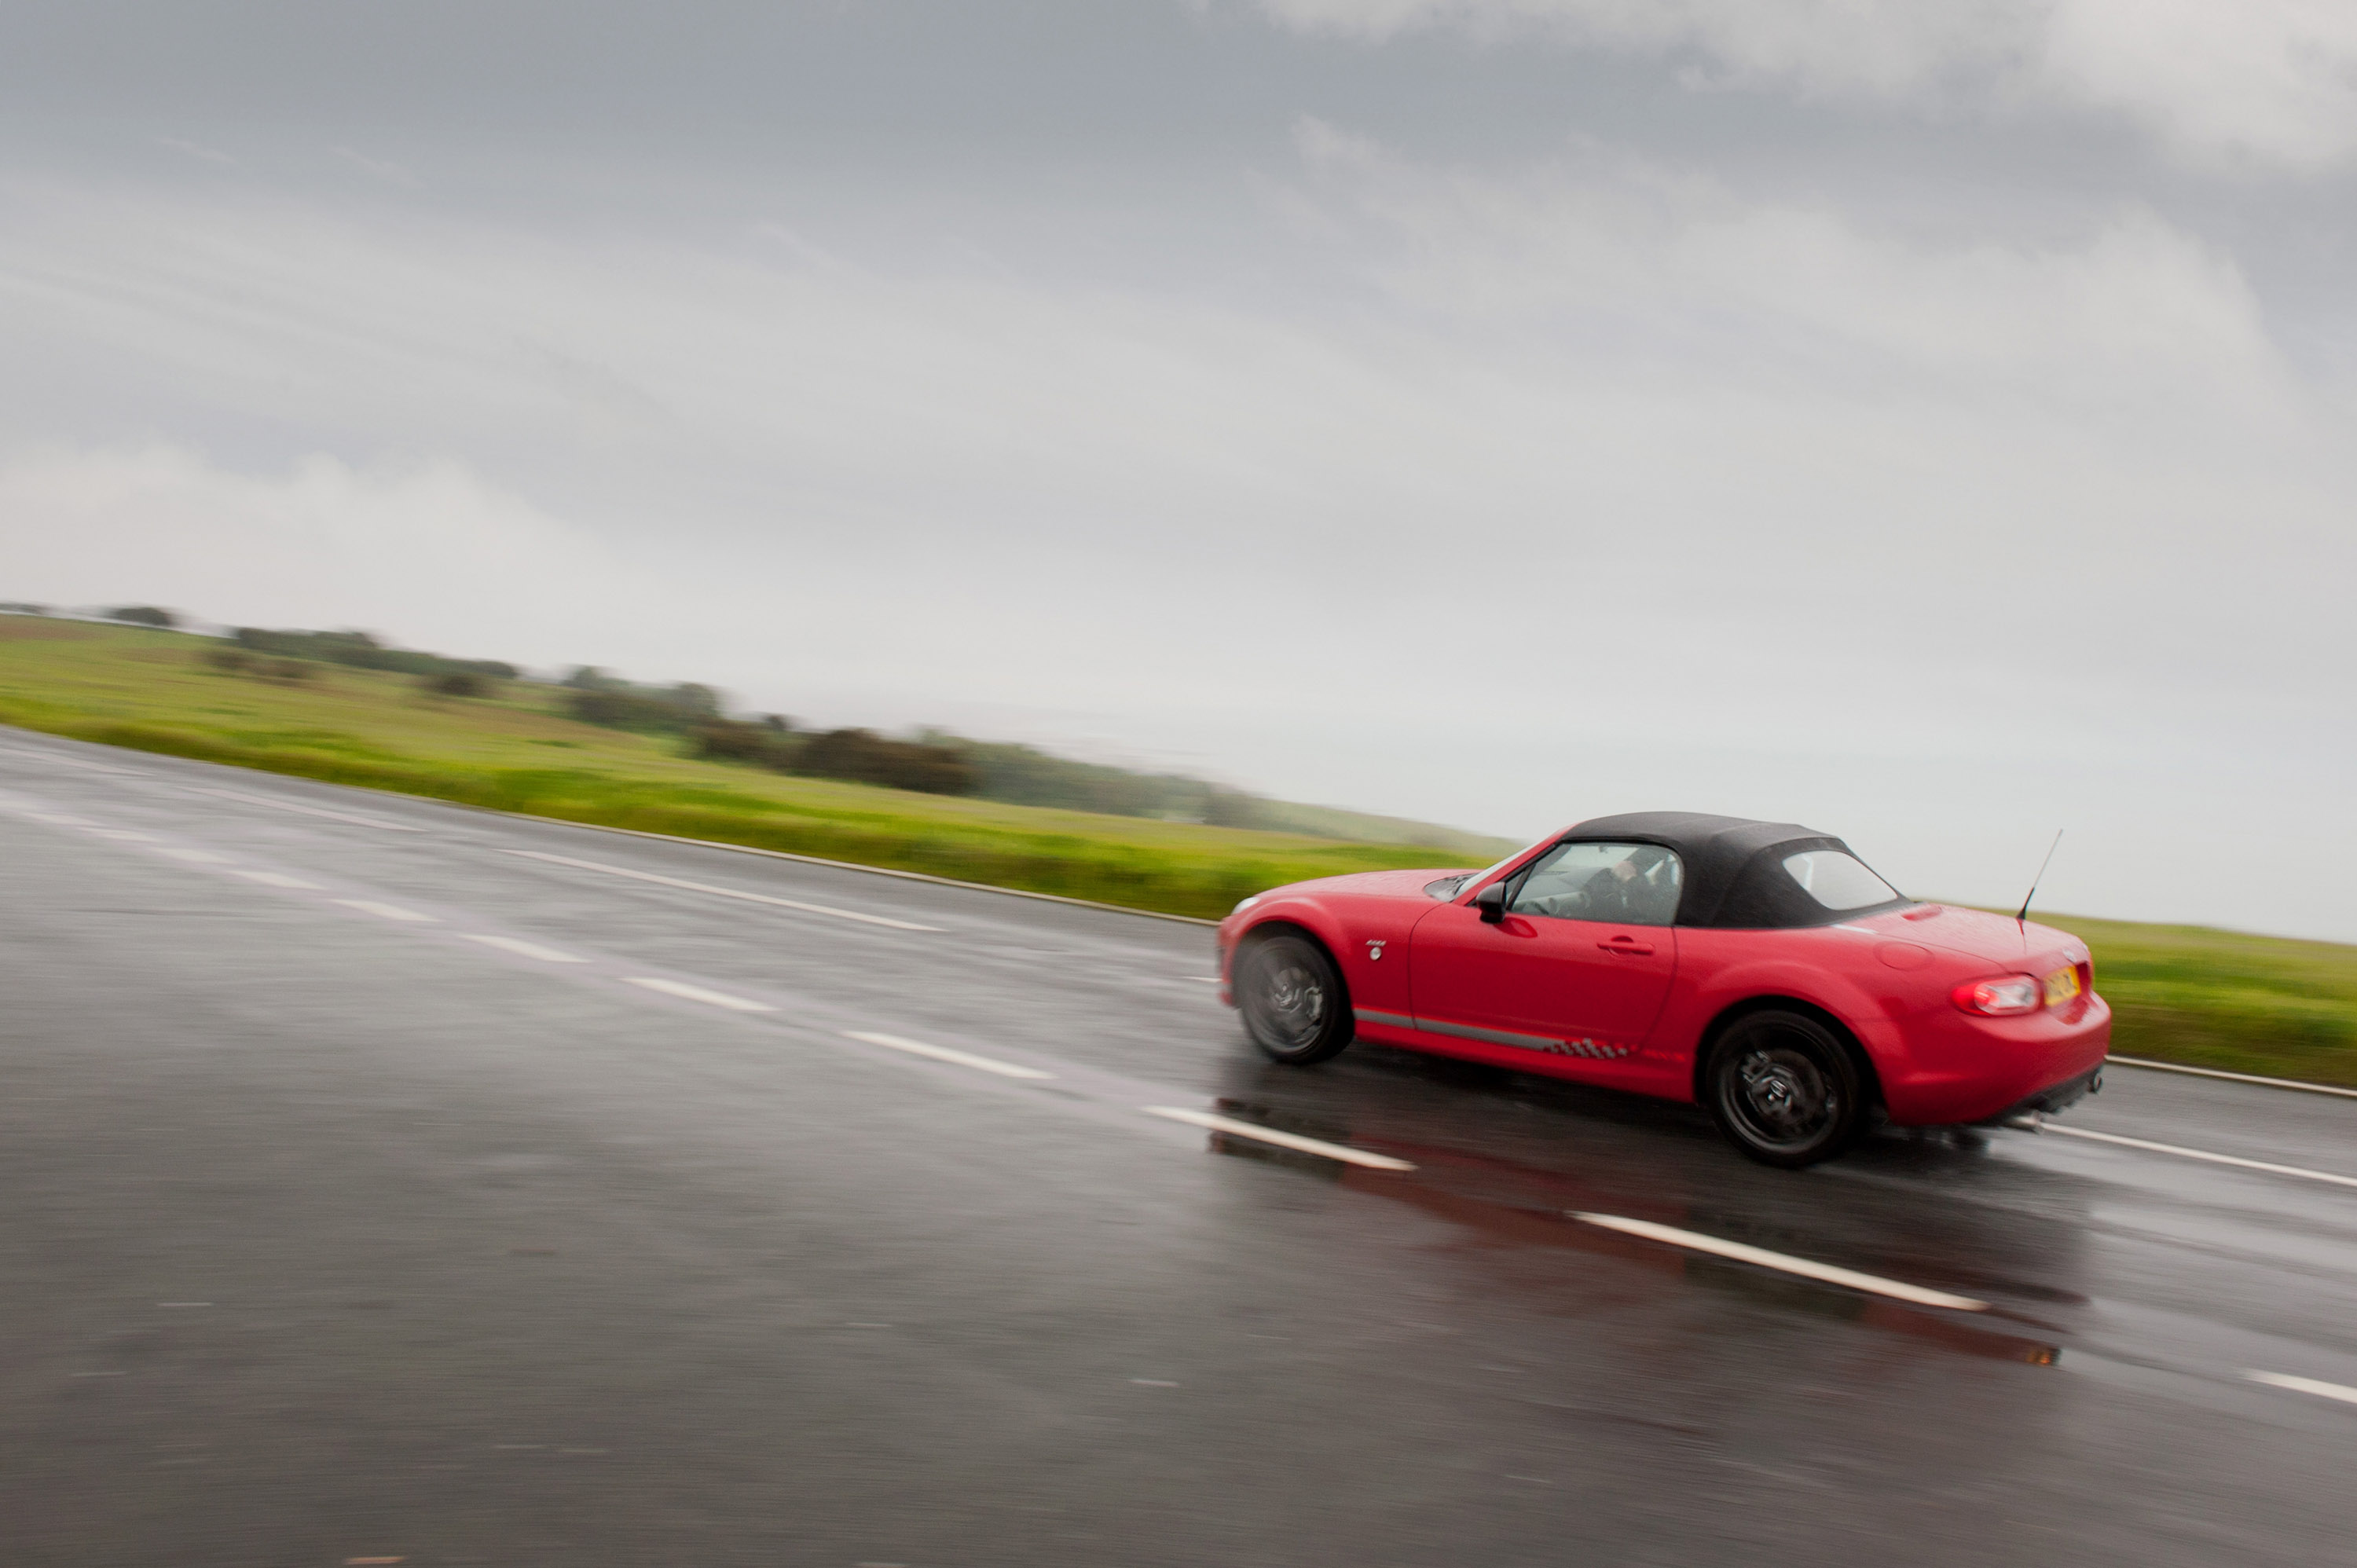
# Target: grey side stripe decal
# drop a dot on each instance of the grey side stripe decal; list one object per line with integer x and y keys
{"x": 1594, "y": 1050}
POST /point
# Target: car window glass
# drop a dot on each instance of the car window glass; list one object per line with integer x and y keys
{"x": 1838, "y": 881}
{"x": 1632, "y": 884}
{"x": 1470, "y": 879}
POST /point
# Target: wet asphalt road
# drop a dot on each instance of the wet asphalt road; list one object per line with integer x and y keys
{"x": 332, "y": 1236}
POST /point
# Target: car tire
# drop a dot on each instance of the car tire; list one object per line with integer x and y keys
{"x": 1784, "y": 1089}
{"x": 1292, "y": 1000}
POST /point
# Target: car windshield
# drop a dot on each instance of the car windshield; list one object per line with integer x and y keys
{"x": 1448, "y": 888}
{"x": 1839, "y": 882}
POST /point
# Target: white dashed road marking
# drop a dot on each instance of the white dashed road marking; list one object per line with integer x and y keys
{"x": 944, "y": 1054}
{"x": 722, "y": 892}
{"x": 194, "y": 856}
{"x": 687, "y": 992}
{"x": 126, "y": 834}
{"x": 2184, "y": 1154}
{"x": 1695, "y": 1242}
{"x": 523, "y": 949}
{"x": 2304, "y": 1386}
{"x": 60, "y": 820}
{"x": 1342, "y": 1152}
{"x": 276, "y": 880}
{"x": 353, "y": 817}
{"x": 385, "y": 911}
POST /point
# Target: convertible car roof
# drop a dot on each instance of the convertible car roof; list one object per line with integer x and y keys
{"x": 1730, "y": 864}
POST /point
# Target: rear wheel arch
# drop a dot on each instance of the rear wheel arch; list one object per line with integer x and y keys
{"x": 1728, "y": 1016}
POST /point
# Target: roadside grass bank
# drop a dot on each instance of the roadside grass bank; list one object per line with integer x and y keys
{"x": 514, "y": 751}
{"x": 2270, "y": 1005}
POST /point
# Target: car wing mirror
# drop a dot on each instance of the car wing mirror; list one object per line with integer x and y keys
{"x": 1492, "y": 902}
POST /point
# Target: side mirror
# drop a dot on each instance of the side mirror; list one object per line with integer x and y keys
{"x": 1492, "y": 902}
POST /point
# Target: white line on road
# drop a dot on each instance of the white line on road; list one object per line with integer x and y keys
{"x": 687, "y": 992}
{"x": 276, "y": 880}
{"x": 1695, "y": 1242}
{"x": 60, "y": 820}
{"x": 385, "y": 911}
{"x": 2304, "y": 1386}
{"x": 2184, "y": 1154}
{"x": 524, "y": 948}
{"x": 944, "y": 1054}
{"x": 352, "y": 817}
{"x": 129, "y": 835}
{"x": 195, "y": 856}
{"x": 2235, "y": 1077}
{"x": 1228, "y": 1125}
{"x": 722, "y": 892}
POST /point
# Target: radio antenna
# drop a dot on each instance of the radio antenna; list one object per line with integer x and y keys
{"x": 2021, "y": 916}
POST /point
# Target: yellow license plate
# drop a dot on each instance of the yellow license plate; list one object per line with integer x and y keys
{"x": 2062, "y": 986}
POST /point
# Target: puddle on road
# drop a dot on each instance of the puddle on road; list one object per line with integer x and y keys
{"x": 1493, "y": 1199}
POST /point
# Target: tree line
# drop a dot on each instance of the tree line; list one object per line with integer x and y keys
{"x": 931, "y": 761}
{"x": 694, "y": 713}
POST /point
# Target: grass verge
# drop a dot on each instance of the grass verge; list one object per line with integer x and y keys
{"x": 2224, "y": 999}
{"x": 152, "y": 691}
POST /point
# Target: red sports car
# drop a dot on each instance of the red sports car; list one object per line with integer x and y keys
{"x": 1760, "y": 968}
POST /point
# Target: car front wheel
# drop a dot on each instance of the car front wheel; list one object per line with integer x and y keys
{"x": 1784, "y": 1090}
{"x": 1291, "y": 998}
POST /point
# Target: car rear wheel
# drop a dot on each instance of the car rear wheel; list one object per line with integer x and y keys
{"x": 1291, "y": 998}
{"x": 1784, "y": 1090}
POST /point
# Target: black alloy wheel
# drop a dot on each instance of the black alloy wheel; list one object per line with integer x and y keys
{"x": 1784, "y": 1090}
{"x": 1292, "y": 1000}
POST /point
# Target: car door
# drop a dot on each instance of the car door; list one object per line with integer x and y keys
{"x": 1578, "y": 965}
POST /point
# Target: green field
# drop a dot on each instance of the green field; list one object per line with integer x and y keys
{"x": 2247, "y": 1004}
{"x": 2224, "y": 999}
{"x": 516, "y": 751}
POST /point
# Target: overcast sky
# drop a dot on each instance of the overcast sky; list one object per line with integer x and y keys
{"x": 1934, "y": 422}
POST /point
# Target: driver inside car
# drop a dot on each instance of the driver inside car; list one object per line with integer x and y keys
{"x": 1632, "y": 888}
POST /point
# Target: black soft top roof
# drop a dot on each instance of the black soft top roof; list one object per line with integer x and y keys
{"x": 1733, "y": 865}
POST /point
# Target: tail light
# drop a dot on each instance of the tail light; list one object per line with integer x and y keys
{"x": 2006, "y": 997}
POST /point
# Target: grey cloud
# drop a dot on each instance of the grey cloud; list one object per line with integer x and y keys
{"x": 379, "y": 167}
{"x": 192, "y": 149}
{"x": 2274, "y": 81}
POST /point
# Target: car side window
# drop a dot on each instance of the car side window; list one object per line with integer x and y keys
{"x": 1629, "y": 884}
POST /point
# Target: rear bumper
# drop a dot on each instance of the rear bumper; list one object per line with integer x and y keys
{"x": 1951, "y": 1070}
{"x": 2061, "y": 1097}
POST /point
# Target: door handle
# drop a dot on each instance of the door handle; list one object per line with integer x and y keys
{"x": 1629, "y": 945}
